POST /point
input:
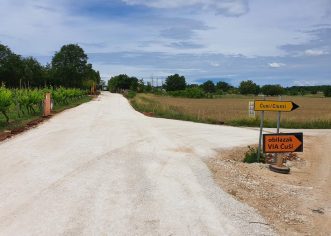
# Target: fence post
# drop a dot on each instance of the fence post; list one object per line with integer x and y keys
{"x": 47, "y": 105}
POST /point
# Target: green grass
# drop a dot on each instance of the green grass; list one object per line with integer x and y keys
{"x": 290, "y": 124}
{"x": 148, "y": 106}
{"x": 16, "y": 122}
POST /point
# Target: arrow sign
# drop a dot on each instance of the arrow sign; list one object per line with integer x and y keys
{"x": 290, "y": 142}
{"x": 262, "y": 105}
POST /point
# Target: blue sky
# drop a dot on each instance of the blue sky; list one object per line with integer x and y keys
{"x": 268, "y": 41}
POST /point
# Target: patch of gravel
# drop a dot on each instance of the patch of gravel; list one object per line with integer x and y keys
{"x": 276, "y": 196}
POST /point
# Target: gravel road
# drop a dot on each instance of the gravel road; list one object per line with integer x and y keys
{"x": 104, "y": 169}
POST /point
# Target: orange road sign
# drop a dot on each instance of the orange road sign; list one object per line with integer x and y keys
{"x": 289, "y": 142}
{"x": 264, "y": 105}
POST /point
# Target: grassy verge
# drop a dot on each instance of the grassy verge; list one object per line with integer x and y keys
{"x": 312, "y": 124}
{"x": 16, "y": 122}
{"x": 226, "y": 111}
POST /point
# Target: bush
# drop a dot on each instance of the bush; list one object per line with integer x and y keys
{"x": 272, "y": 90}
{"x": 130, "y": 94}
{"x": 194, "y": 92}
{"x": 251, "y": 155}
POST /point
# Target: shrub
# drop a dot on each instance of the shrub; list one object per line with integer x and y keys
{"x": 130, "y": 94}
{"x": 272, "y": 90}
{"x": 194, "y": 92}
{"x": 251, "y": 155}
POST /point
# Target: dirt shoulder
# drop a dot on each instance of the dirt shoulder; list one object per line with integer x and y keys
{"x": 294, "y": 204}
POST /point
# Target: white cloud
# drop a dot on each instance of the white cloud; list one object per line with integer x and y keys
{"x": 276, "y": 65}
{"x": 316, "y": 52}
{"x": 223, "y": 7}
{"x": 214, "y": 64}
{"x": 303, "y": 83}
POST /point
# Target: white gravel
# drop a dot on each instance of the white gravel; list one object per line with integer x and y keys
{"x": 104, "y": 169}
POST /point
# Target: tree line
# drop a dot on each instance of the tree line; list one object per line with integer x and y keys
{"x": 69, "y": 68}
{"x": 176, "y": 85}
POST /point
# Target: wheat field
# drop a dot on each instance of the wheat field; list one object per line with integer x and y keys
{"x": 229, "y": 108}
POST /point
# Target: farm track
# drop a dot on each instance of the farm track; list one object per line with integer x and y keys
{"x": 104, "y": 169}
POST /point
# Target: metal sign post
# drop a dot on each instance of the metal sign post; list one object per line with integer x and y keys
{"x": 260, "y": 136}
{"x": 278, "y": 142}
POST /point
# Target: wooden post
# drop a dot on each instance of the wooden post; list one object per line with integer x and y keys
{"x": 47, "y": 105}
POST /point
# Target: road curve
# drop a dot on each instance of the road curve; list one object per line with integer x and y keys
{"x": 104, "y": 169}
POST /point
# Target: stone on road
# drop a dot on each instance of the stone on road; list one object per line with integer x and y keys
{"x": 104, "y": 169}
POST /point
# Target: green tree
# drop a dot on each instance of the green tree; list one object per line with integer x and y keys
{"x": 208, "y": 86}
{"x": 223, "y": 86}
{"x": 175, "y": 82}
{"x": 248, "y": 87}
{"x": 11, "y": 67}
{"x": 141, "y": 86}
{"x": 327, "y": 91}
{"x": 272, "y": 90}
{"x": 122, "y": 82}
{"x": 69, "y": 66}
{"x": 33, "y": 73}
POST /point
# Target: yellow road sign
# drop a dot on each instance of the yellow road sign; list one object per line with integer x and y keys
{"x": 263, "y": 105}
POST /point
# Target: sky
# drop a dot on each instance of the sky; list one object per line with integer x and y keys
{"x": 285, "y": 42}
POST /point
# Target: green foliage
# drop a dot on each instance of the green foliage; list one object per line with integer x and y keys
{"x": 26, "y": 105}
{"x": 223, "y": 86}
{"x": 5, "y": 101}
{"x": 208, "y": 86}
{"x": 251, "y": 155}
{"x": 175, "y": 82}
{"x": 122, "y": 82}
{"x": 272, "y": 90}
{"x": 327, "y": 91}
{"x": 194, "y": 92}
{"x": 147, "y": 105}
{"x": 29, "y": 101}
{"x": 141, "y": 86}
{"x": 248, "y": 87}
{"x": 148, "y": 87}
{"x": 130, "y": 94}
{"x": 64, "y": 96}
{"x": 69, "y": 68}
{"x": 290, "y": 124}
{"x": 11, "y": 67}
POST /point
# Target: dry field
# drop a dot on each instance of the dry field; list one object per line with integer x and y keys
{"x": 227, "y": 109}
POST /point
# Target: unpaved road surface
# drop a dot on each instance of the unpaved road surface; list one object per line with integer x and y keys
{"x": 295, "y": 204}
{"x": 104, "y": 169}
